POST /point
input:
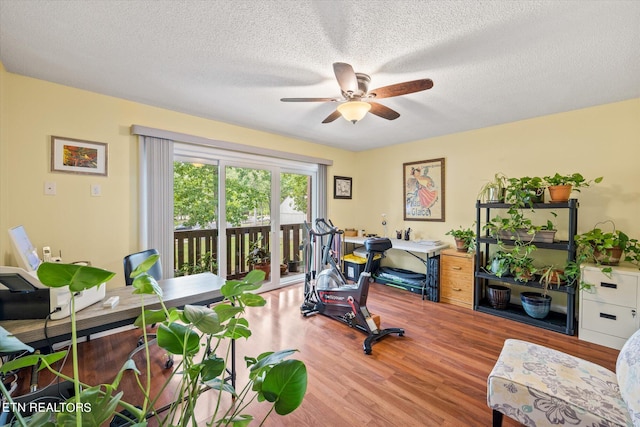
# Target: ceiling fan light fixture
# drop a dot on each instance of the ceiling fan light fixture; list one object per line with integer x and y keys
{"x": 354, "y": 110}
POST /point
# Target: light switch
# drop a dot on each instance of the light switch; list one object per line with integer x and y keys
{"x": 96, "y": 190}
{"x": 50, "y": 188}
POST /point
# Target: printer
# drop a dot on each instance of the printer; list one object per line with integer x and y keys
{"x": 23, "y": 296}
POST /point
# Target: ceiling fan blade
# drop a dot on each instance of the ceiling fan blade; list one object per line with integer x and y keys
{"x": 332, "y": 117}
{"x": 346, "y": 77}
{"x": 308, "y": 99}
{"x": 401, "y": 88}
{"x": 383, "y": 111}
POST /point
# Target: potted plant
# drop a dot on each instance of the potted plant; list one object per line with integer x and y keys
{"x": 188, "y": 332}
{"x": 493, "y": 191}
{"x": 607, "y": 248}
{"x": 525, "y": 191}
{"x": 520, "y": 262}
{"x": 520, "y": 228}
{"x": 560, "y": 186}
{"x": 259, "y": 258}
{"x": 500, "y": 264}
{"x": 206, "y": 263}
{"x": 293, "y": 266}
{"x": 465, "y": 239}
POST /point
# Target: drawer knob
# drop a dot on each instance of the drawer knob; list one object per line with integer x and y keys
{"x": 455, "y": 267}
{"x": 608, "y": 285}
{"x": 456, "y": 289}
{"x": 633, "y": 313}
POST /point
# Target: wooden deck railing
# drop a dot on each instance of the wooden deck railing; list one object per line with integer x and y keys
{"x": 192, "y": 245}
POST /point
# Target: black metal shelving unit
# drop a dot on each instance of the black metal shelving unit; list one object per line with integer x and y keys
{"x": 559, "y": 322}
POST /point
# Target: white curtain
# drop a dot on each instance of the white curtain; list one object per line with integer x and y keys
{"x": 156, "y": 199}
{"x": 323, "y": 195}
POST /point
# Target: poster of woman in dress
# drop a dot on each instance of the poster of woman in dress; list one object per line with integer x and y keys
{"x": 424, "y": 190}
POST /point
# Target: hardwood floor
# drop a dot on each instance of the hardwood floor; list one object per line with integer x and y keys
{"x": 433, "y": 376}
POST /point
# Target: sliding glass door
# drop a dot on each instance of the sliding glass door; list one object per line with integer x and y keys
{"x": 234, "y": 215}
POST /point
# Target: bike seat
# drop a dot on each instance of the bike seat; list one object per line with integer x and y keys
{"x": 377, "y": 244}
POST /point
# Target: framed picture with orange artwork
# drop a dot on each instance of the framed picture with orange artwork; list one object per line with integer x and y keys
{"x": 78, "y": 156}
{"x": 423, "y": 187}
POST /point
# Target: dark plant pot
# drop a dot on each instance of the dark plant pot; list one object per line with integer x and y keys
{"x": 498, "y": 296}
{"x": 536, "y": 196}
{"x": 293, "y": 266}
{"x": 559, "y": 193}
{"x": 535, "y": 304}
{"x": 609, "y": 256}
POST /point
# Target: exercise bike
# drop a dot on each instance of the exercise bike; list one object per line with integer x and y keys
{"x": 330, "y": 294}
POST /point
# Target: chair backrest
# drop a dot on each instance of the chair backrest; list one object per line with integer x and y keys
{"x": 133, "y": 260}
{"x": 628, "y": 374}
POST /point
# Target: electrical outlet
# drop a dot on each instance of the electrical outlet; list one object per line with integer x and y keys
{"x": 50, "y": 188}
{"x": 96, "y": 190}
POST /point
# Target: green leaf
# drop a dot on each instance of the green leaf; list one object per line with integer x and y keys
{"x": 203, "y": 318}
{"x": 252, "y": 300}
{"x": 218, "y": 384}
{"x": 286, "y": 384}
{"x": 77, "y": 277}
{"x": 150, "y": 317}
{"x": 178, "y": 339}
{"x": 241, "y": 420}
{"x": 147, "y": 285}
{"x": 212, "y": 368}
{"x": 31, "y": 360}
{"x": 10, "y": 344}
{"x": 226, "y": 311}
{"x": 144, "y": 266}
{"x": 97, "y": 407}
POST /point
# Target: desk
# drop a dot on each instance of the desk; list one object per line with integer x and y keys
{"x": 196, "y": 289}
{"x": 415, "y": 249}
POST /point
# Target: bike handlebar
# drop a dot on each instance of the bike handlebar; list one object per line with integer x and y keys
{"x": 325, "y": 228}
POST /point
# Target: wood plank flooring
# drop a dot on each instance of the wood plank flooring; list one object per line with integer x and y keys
{"x": 433, "y": 376}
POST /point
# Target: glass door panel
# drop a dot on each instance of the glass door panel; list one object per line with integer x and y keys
{"x": 248, "y": 221}
{"x": 195, "y": 217}
{"x": 295, "y": 209}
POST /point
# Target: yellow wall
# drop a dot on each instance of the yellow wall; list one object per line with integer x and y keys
{"x": 598, "y": 141}
{"x": 100, "y": 229}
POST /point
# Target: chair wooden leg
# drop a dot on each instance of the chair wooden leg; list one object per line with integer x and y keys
{"x": 497, "y": 418}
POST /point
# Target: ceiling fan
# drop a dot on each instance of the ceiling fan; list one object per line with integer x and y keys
{"x": 357, "y": 99}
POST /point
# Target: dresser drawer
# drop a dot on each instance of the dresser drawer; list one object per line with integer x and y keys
{"x": 616, "y": 288}
{"x": 609, "y": 319}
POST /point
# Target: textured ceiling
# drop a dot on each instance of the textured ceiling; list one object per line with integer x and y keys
{"x": 491, "y": 62}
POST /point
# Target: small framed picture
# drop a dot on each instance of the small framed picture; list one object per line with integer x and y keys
{"x": 78, "y": 156}
{"x": 342, "y": 187}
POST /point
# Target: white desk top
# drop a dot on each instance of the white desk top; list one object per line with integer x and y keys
{"x": 195, "y": 289}
{"x": 405, "y": 245}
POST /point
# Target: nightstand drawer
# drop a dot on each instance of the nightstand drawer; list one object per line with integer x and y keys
{"x": 616, "y": 288}
{"x": 609, "y": 319}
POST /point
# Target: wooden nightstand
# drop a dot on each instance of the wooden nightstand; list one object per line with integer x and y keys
{"x": 456, "y": 277}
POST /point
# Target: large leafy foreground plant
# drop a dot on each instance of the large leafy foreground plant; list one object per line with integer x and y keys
{"x": 195, "y": 334}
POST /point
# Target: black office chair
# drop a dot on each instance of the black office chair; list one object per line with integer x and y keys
{"x": 130, "y": 263}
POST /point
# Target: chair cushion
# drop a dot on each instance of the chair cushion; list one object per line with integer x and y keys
{"x": 536, "y": 385}
{"x": 628, "y": 373}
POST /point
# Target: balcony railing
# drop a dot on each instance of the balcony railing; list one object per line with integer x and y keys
{"x": 192, "y": 245}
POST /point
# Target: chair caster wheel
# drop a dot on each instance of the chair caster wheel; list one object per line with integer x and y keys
{"x": 401, "y": 334}
{"x": 140, "y": 341}
{"x": 168, "y": 364}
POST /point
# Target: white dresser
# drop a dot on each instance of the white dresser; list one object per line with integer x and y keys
{"x": 609, "y": 309}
